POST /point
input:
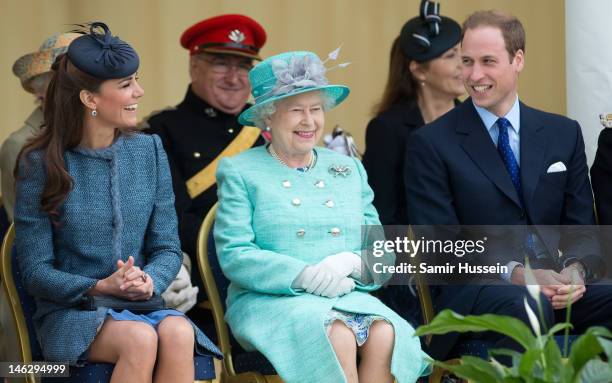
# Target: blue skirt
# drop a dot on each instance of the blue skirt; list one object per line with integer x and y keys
{"x": 153, "y": 318}
{"x": 202, "y": 346}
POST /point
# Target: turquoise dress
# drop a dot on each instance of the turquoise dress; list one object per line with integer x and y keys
{"x": 272, "y": 221}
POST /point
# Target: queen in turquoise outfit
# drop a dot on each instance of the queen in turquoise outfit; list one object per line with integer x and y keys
{"x": 94, "y": 215}
{"x": 289, "y": 237}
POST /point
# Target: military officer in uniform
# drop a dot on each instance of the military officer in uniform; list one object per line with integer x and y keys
{"x": 204, "y": 126}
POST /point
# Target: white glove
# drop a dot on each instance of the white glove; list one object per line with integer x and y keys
{"x": 346, "y": 263}
{"x": 180, "y": 295}
{"x": 321, "y": 281}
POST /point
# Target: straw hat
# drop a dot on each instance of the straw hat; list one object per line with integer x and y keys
{"x": 33, "y": 64}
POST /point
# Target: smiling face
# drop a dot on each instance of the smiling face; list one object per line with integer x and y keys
{"x": 296, "y": 126}
{"x": 490, "y": 75}
{"x": 221, "y": 80}
{"x": 116, "y": 102}
{"x": 443, "y": 74}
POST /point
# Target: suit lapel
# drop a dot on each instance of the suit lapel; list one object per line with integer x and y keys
{"x": 533, "y": 151}
{"x": 479, "y": 146}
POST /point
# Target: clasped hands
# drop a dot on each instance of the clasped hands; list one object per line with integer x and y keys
{"x": 334, "y": 276}
{"x": 128, "y": 282}
{"x": 559, "y": 288}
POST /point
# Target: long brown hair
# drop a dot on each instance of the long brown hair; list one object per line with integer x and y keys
{"x": 63, "y": 130}
{"x": 402, "y": 87}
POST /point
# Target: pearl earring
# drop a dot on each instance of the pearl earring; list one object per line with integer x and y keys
{"x": 94, "y": 113}
{"x": 267, "y": 128}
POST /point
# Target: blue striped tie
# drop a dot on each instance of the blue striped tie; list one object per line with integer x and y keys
{"x": 507, "y": 155}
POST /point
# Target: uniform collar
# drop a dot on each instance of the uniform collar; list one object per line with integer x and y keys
{"x": 36, "y": 119}
{"x": 204, "y": 109}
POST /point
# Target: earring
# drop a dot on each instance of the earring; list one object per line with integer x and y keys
{"x": 267, "y": 129}
{"x": 94, "y": 113}
{"x": 422, "y": 83}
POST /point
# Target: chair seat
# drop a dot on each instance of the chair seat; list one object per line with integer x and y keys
{"x": 480, "y": 348}
{"x": 204, "y": 367}
{"x": 252, "y": 361}
{"x": 95, "y": 372}
{"x": 101, "y": 372}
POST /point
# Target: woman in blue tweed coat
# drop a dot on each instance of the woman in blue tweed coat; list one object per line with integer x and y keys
{"x": 95, "y": 216}
{"x": 289, "y": 238}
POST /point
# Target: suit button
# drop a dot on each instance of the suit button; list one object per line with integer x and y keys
{"x": 329, "y": 203}
{"x": 196, "y": 155}
{"x": 334, "y": 231}
{"x": 286, "y": 184}
{"x": 296, "y": 202}
{"x": 522, "y": 215}
{"x": 300, "y": 233}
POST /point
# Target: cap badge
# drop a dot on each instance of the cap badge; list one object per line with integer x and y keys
{"x": 236, "y": 36}
{"x": 210, "y": 112}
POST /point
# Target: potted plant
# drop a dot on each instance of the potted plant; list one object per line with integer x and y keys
{"x": 542, "y": 361}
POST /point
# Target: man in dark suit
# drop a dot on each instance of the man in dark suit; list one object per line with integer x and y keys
{"x": 203, "y": 128}
{"x": 495, "y": 161}
{"x": 222, "y": 50}
{"x": 601, "y": 178}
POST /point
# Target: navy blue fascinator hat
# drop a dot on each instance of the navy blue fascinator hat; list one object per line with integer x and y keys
{"x": 428, "y": 36}
{"x": 102, "y": 55}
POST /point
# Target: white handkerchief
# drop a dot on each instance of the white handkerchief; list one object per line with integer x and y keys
{"x": 556, "y": 167}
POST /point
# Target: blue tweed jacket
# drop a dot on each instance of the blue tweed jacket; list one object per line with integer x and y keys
{"x": 121, "y": 204}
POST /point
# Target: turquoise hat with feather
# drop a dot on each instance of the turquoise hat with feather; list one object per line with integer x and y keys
{"x": 289, "y": 74}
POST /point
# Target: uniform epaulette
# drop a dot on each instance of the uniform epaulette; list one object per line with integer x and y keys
{"x": 144, "y": 124}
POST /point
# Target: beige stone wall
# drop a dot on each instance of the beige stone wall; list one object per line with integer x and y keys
{"x": 364, "y": 28}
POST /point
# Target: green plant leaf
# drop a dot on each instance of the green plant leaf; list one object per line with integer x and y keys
{"x": 515, "y": 355}
{"x": 558, "y": 327}
{"x": 596, "y": 371}
{"x": 587, "y": 347}
{"x": 554, "y": 366}
{"x": 606, "y": 345}
{"x": 448, "y": 321}
{"x": 474, "y": 369}
{"x": 529, "y": 365}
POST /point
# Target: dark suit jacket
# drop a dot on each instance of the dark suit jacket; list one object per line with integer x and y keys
{"x": 455, "y": 176}
{"x": 386, "y": 138}
{"x": 601, "y": 176}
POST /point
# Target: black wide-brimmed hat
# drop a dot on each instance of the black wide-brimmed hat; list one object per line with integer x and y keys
{"x": 430, "y": 35}
{"x": 103, "y": 55}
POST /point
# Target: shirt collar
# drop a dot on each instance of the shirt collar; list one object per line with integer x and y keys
{"x": 489, "y": 119}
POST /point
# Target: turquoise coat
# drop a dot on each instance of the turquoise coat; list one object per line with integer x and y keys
{"x": 267, "y": 230}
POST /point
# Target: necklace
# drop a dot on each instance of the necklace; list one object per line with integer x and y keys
{"x": 311, "y": 162}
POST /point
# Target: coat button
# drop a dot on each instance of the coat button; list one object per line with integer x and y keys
{"x": 334, "y": 231}
{"x": 230, "y": 130}
{"x": 329, "y": 203}
{"x": 296, "y": 202}
{"x": 320, "y": 184}
{"x": 286, "y": 184}
{"x": 196, "y": 155}
{"x": 300, "y": 233}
